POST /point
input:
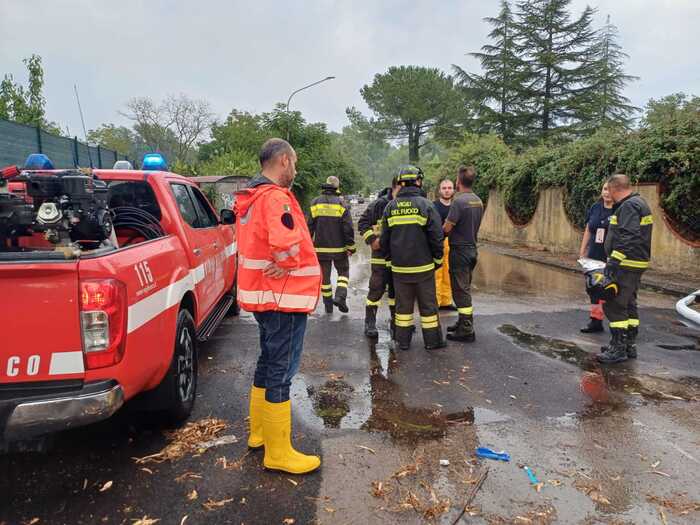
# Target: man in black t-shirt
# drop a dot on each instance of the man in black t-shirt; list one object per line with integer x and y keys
{"x": 446, "y": 191}
{"x": 462, "y": 226}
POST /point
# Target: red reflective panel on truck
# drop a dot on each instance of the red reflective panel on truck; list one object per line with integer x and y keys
{"x": 40, "y": 327}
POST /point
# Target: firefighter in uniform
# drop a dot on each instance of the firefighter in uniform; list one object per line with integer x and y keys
{"x": 331, "y": 227}
{"x": 380, "y": 279}
{"x": 412, "y": 241}
{"x": 462, "y": 226}
{"x": 628, "y": 247}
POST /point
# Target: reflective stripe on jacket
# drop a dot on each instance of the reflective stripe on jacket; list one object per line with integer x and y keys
{"x": 370, "y": 224}
{"x": 330, "y": 225}
{"x": 271, "y": 227}
{"x": 629, "y": 234}
{"x": 412, "y": 237}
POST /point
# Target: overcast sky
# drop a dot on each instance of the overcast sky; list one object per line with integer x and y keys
{"x": 250, "y": 55}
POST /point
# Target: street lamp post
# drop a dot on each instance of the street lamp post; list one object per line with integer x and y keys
{"x": 297, "y": 91}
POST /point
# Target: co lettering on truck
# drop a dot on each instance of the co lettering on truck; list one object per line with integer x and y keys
{"x": 15, "y": 366}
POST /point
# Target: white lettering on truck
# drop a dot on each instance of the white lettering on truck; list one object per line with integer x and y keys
{"x": 31, "y": 368}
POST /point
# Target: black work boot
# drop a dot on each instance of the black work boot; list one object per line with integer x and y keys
{"x": 371, "y": 322}
{"x": 433, "y": 340}
{"x": 341, "y": 299}
{"x": 593, "y": 326}
{"x": 328, "y": 303}
{"x": 465, "y": 330}
{"x": 632, "y": 332}
{"x": 617, "y": 349}
{"x": 453, "y": 327}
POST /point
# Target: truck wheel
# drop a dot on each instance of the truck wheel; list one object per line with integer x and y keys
{"x": 179, "y": 386}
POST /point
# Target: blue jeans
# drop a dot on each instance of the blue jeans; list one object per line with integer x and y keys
{"x": 281, "y": 343}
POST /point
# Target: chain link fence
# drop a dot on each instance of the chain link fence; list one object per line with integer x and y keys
{"x": 17, "y": 141}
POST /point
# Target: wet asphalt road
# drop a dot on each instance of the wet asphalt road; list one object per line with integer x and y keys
{"x": 383, "y": 421}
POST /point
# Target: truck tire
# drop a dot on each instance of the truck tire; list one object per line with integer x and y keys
{"x": 178, "y": 389}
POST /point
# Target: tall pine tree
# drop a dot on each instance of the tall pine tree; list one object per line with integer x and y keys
{"x": 555, "y": 47}
{"x": 604, "y": 103}
{"x": 501, "y": 86}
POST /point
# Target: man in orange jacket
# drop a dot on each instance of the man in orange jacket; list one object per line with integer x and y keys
{"x": 279, "y": 279}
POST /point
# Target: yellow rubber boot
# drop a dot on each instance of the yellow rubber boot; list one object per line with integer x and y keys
{"x": 279, "y": 453}
{"x": 255, "y": 436}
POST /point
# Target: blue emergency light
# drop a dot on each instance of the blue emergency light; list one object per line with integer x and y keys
{"x": 38, "y": 161}
{"x": 154, "y": 162}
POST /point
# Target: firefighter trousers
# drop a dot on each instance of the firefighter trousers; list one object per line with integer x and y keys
{"x": 463, "y": 260}
{"x": 342, "y": 266}
{"x": 380, "y": 281}
{"x": 621, "y": 310}
{"x": 443, "y": 286}
{"x": 410, "y": 288}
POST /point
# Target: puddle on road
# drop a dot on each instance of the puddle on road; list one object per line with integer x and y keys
{"x": 603, "y": 383}
{"x": 375, "y": 403}
{"x": 331, "y": 401}
{"x": 550, "y": 347}
{"x": 497, "y": 273}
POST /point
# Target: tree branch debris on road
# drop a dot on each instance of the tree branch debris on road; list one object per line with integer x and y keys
{"x": 187, "y": 440}
{"x": 678, "y": 504}
{"x": 210, "y": 504}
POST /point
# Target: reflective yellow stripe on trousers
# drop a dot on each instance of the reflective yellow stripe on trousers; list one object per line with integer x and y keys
{"x": 429, "y": 321}
{"x": 404, "y": 320}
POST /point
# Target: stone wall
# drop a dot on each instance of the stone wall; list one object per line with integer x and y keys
{"x": 550, "y": 229}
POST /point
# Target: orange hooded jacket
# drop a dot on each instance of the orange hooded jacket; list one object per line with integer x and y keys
{"x": 271, "y": 227}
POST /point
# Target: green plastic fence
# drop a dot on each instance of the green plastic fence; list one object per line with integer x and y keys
{"x": 17, "y": 141}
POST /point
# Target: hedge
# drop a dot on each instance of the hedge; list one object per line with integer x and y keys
{"x": 665, "y": 149}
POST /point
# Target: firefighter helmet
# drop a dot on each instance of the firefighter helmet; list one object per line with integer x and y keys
{"x": 600, "y": 286}
{"x": 410, "y": 174}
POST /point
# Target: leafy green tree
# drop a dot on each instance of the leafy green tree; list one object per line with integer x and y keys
{"x": 501, "y": 89}
{"x": 605, "y": 104}
{"x": 555, "y": 47}
{"x": 366, "y": 150}
{"x": 236, "y": 143}
{"x": 412, "y": 101}
{"x": 240, "y": 132}
{"x": 118, "y": 138}
{"x": 26, "y": 105}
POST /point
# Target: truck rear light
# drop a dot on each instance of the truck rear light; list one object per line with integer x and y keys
{"x": 103, "y": 314}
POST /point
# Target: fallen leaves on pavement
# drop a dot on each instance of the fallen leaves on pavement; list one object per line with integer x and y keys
{"x": 210, "y": 504}
{"x": 380, "y": 489}
{"x": 678, "y": 504}
{"x": 187, "y": 440}
{"x": 145, "y": 521}
{"x": 593, "y": 491}
{"x": 187, "y": 475}
{"x": 192, "y": 495}
{"x": 106, "y": 486}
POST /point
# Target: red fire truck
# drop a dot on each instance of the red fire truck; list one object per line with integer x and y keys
{"x": 108, "y": 280}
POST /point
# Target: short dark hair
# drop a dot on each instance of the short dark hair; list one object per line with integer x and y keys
{"x": 466, "y": 176}
{"x": 446, "y": 179}
{"x": 395, "y": 181}
{"x": 272, "y": 149}
{"x": 619, "y": 181}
